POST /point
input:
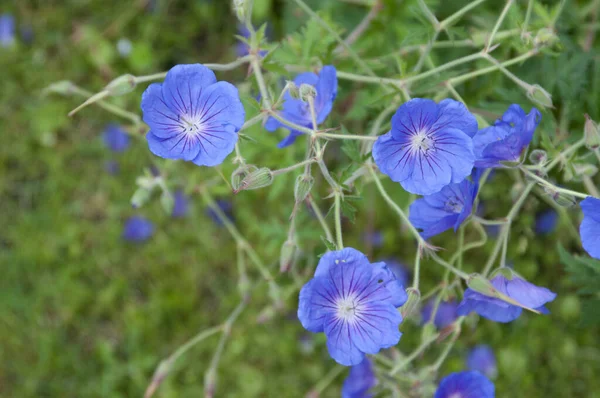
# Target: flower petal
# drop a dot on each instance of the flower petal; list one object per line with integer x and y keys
{"x": 339, "y": 342}
{"x": 416, "y": 115}
{"x": 326, "y": 92}
{"x": 528, "y": 294}
{"x": 454, "y": 114}
{"x": 183, "y": 86}
{"x": 180, "y": 146}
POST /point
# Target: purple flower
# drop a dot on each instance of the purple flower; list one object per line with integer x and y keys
{"x": 482, "y": 359}
{"x": 225, "y": 206}
{"x": 590, "y": 227}
{"x": 354, "y": 302}
{"x": 507, "y": 138}
{"x": 137, "y": 229}
{"x": 495, "y": 309}
{"x": 115, "y": 138}
{"x": 7, "y": 30}
{"x": 180, "y": 204}
{"x": 465, "y": 385}
{"x": 400, "y": 271}
{"x": 446, "y": 209}
{"x": 192, "y": 116}
{"x": 429, "y": 145}
{"x": 545, "y": 222}
{"x": 298, "y": 112}
{"x": 360, "y": 380}
{"x": 444, "y": 316}
{"x": 375, "y": 238}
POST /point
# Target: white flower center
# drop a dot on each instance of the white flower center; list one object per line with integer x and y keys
{"x": 192, "y": 126}
{"x": 347, "y": 308}
{"x": 422, "y": 142}
{"x": 454, "y": 205}
{"x": 456, "y": 395}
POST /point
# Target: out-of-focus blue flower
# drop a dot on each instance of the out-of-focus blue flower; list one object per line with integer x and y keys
{"x": 354, "y": 303}
{"x": 226, "y": 207}
{"x": 445, "y": 315}
{"x": 375, "y": 238}
{"x": 590, "y": 227}
{"x": 180, "y": 204}
{"x": 115, "y": 138}
{"x": 112, "y": 167}
{"x": 507, "y": 138}
{"x": 446, "y": 209}
{"x": 360, "y": 380}
{"x": 7, "y": 30}
{"x": 298, "y": 111}
{"x": 465, "y": 385}
{"x": 138, "y": 229}
{"x": 400, "y": 271}
{"x": 495, "y": 309}
{"x": 482, "y": 359}
{"x": 124, "y": 47}
{"x": 192, "y": 116}
{"x": 545, "y": 222}
{"x": 27, "y": 34}
{"x": 241, "y": 48}
{"x": 429, "y": 145}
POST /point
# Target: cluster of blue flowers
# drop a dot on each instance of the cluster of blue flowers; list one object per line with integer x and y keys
{"x": 433, "y": 149}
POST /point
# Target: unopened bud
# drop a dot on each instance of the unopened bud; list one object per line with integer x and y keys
{"x": 576, "y": 171}
{"x": 544, "y": 37}
{"x": 591, "y": 133}
{"x": 537, "y": 94}
{"x": 538, "y": 156}
{"x": 241, "y": 9}
{"x": 292, "y": 89}
{"x": 414, "y": 297}
{"x": 140, "y": 197}
{"x": 287, "y": 255}
{"x": 121, "y": 85}
{"x": 304, "y": 184}
{"x": 259, "y": 178}
{"x": 63, "y": 87}
{"x": 560, "y": 198}
{"x": 307, "y": 92}
{"x": 505, "y": 272}
{"x": 240, "y": 173}
{"x": 482, "y": 285}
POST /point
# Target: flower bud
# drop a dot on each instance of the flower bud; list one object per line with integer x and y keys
{"x": 560, "y": 198}
{"x": 140, "y": 197}
{"x": 287, "y": 255}
{"x": 537, "y": 94}
{"x": 544, "y": 37}
{"x": 414, "y": 297}
{"x": 259, "y": 178}
{"x": 538, "y": 156}
{"x": 241, "y": 9}
{"x": 240, "y": 173}
{"x": 482, "y": 285}
{"x": 591, "y": 133}
{"x": 292, "y": 89}
{"x": 304, "y": 184}
{"x": 63, "y": 87}
{"x": 307, "y": 92}
{"x": 121, "y": 85}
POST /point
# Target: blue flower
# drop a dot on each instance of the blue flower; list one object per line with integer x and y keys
{"x": 115, "y": 138}
{"x": 482, "y": 359}
{"x": 590, "y": 227}
{"x": 429, "y": 146}
{"x": 180, "y": 204}
{"x": 7, "y": 30}
{"x": 465, "y": 385}
{"x": 138, "y": 229}
{"x": 446, "y": 209}
{"x": 192, "y": 116}
{"x": 507, "y": 138}
{"x": 360, "y": 380}
{"x": 445, "y": 315}
{"x": 298, "y": 112}
{"x": 225, "y": 206}
{"x": 354, "y": 302}
{"x": 400, "y": 271}
{"x": 495, "y": 309}
{"x": 545, "y": 222}
{"x": 375, "y": 238}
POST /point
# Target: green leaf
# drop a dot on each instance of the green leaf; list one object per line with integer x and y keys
{"x": 349, "y": 211}
{"x": 329, "y": 244}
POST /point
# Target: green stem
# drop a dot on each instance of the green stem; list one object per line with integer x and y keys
{"x": 321, "y": 219}
{"x": 468, "y": 76}
{"x": 449, "y": 267}
{"x": 417, "y": 269}
{"x": 347, "y": 137}
{"x": 293, "y": 167}
{"x": 418, "y": 351}
{"x": 454, "y": 17}
{"x": 338, "y": 220}
{"x": 554, "y": 187}
{"x": 497, "y": 26}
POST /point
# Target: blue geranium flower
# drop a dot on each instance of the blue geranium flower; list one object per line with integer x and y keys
{"x": 298, "y": 112}
{"x": 465, "y": 385}
{"x": 400, "y": 271}
{"x": 445, "y": 315}
{"x": 115, "y": 138}
{"x": 225, "y": 206}
{"x": 590, "y": 227}
{"x": 429, "y": 145}
{"x": 354, "y": 302}
{"x": 138, "y": 229}
{"x": 360, "y": 380}
{"x": 446, "y": 209}
{"x": 495, "y": 309}
{"x": 545, "y": 222}
{"x": 482, "y": 359}
{"x": 192, "y": 116}
{"x": 507, "y": 138}
{"x": 7, "y": 30}
{"x": 180, "y": 204}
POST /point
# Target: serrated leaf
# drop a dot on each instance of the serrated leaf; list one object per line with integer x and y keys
{"x": 329, "y": 244}
{"x": 349, "y": 211}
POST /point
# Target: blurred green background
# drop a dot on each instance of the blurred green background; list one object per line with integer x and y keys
{"x": 85, "y": 314}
